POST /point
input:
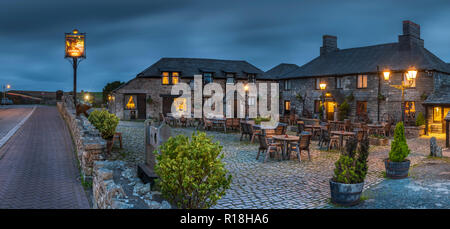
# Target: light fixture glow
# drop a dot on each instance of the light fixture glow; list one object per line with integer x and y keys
{"x": 323, "y": 86}
{"x": 386, "y": 74}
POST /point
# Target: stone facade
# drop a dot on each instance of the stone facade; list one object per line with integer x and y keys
{"x": 152, "y": 88}
{"x": 88, "y": 142}
{"x": 391, "y": 105}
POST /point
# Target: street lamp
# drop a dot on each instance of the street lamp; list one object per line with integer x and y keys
{"x": 322, "y": 87}
{"x": 75, "y": 51}
{"x": 411, "y": 74}
{"x": 7, "y": 86}
{"x": 246, "y": 102}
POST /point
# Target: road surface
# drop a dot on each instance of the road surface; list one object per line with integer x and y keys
{"x": 37, "y": 164}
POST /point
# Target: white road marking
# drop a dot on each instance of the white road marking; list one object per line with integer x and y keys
{"x": 13, "y": 130}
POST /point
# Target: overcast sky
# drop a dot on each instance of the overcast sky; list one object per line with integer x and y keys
{"x": 125, "y": 37}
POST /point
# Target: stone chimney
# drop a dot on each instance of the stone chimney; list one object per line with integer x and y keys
{"x": 329, "y": 44}
{"x": 411, "y": 36}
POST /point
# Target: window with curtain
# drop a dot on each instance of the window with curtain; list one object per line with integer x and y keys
{"x": 362, "y": 81}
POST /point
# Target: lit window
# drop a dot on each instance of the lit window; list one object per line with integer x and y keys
{"x": 362, "y": 81}
{"x": 408, "y": 82}
{"x": 287, "y": 105}
{"x": 165, "y": 78}
{"x": 175, "y": 77}
{"x": 410, "y": 107}
{"x": 437, "y": 114}
{"x": 130, "y": 104}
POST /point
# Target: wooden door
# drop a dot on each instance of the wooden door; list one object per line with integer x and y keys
{"x": 167, "y": 105}
{"x": 142, "y": 106}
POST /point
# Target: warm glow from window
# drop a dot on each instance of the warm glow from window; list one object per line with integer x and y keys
{"x": 386, "y": 75}
{"x": 287, "y": 105}
{"x": 174, "y": 79}
{"x": 410, "y": 107}
{"x": 362, "y": 81}
{"x": 131, "y": 105}
{"x": 322, "y": 86}
{"x": 437, "y": 114}
{"x": 412, "y": 74}
{"x": 180, "y": 104}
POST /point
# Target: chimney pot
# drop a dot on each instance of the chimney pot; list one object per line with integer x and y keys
{"x": 329, "y": 44}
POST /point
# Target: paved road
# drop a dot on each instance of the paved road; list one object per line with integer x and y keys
{"x": 10, "y": 116}
{"x": 37, "y": 165}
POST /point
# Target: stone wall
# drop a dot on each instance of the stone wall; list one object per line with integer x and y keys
{"x": 116, "y": 186}
{"x": 88, "y": 142}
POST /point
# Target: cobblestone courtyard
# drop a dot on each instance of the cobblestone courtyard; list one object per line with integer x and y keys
{"x": 274, "y": 184}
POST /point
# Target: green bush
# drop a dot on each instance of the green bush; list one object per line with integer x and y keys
{"x": 192, "y": 174}
{"x": 351, "y": 168}
{"x": 399, "y": 147}
{"x": 420, "y": 119}
{"x": 258, "y": 120}
{"x": 344, "y": 110}
{"x": 105, "y": 122}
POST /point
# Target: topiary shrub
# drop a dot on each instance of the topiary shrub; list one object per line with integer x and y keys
{"x": 399, "y": 147}
{"x": 105, "y": 122}
{"x": 344, "y": 110}
{"x": 351, "y": 168}
{"x": 420, "y": 119}
{"x": 192, "y": 174}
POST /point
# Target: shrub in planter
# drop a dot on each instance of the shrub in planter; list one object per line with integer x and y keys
{"x": 344, "y": 109}
{"x": 105, "y": 122}
{"x": 192, "y": 174}
{"x": 351, "y": 169}
{"x": 378, "y": 140}
{"x": 397, "y": 166}
{"x": 420, "y": 119}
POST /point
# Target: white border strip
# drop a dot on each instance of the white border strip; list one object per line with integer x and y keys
{"x": 13, "y": 130}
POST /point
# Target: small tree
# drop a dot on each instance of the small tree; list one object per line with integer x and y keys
{"x": 351, "y": 168}
{"x": 344, "y": 109}
{"x": 399, "y": 147}
{"x": 105, "y": 122}
{"x": 420, "y": 119}
{"x": 192, "y": 174}
{"x": 109, "y": 87}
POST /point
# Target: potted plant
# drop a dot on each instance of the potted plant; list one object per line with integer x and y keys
{"x": 106, "y": 123}
{"x": 347, "y": 183}
{"x": 397, "y": 166}
{"x": 420, "y": 123}
{"x": 378, "y": 140}
{"x": 344, "y": 110}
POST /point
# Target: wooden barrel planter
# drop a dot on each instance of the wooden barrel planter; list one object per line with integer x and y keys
{"x": 397, "y": 170}
{"x": 345, "y": 194}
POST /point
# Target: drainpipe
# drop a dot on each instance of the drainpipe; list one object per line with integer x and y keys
{"x": 378, "y": 99}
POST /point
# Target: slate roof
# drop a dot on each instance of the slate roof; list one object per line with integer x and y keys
{"x": 280, "y": 71}
{"x": 366, "y": 59}
{"x": 188, "y": 67}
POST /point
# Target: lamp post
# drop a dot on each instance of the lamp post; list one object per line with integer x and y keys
{"x": 246, "y": 102}
{"x": 7, "y": 86}
{"x": 322, "y": 87}
{"x": 75, "y": 51}
{"x": 411, "y": 74}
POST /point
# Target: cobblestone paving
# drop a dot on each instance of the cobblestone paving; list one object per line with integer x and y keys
{"x": 276, "y": 184}
{"x": 37, "y": 165}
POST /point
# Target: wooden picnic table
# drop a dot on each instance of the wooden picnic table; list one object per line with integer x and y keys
{"x": 220, "y": 122}
{"x": 285, "y": 139}
{"x": 341, "y": 136}
{"x": 374, "y": 128}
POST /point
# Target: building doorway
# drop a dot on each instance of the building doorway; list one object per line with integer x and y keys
{"x": 142, "y": 106}
{"x": 167, "y": 105}
{"x": 330, "y": 109}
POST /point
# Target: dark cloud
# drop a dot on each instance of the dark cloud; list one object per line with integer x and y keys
{"x": 125, "y": 37}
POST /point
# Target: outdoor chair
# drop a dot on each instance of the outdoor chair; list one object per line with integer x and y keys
{"x": 253, "y": 132}
{"x": 300, "y": 128}
{"x": 302, "y": 144}
{"x": 269, "y": 133}
{"x": 236, "y": 123}
{"x": 334, "y": 142}
{"x": 387, "y": 129}
{"x": 229, "y": 123}
{"x": 292, "y": 118}
{"x": 324, "y": 138}
{"x": 268, "y": 146}
{"x": 183, "y": 121}
{"x": 245, "y": 131}
{"x": 280, "y": 129}
{"x": 207, "y": 124}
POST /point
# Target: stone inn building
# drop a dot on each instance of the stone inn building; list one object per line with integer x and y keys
{"x": 357, "y": 75}
{"x": 149, "y": 93}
